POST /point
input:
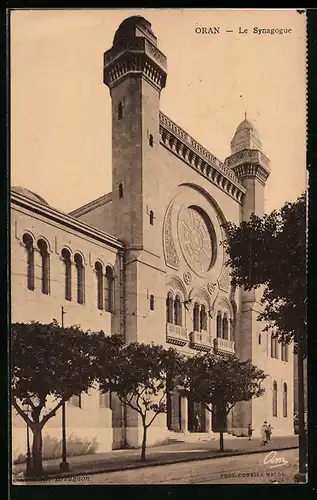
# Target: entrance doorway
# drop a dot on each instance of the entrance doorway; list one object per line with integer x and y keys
{"x": 196, "y": 416}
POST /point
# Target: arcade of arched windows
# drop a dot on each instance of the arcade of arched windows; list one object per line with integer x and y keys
{"x": 73, "y": 274}
{"x": 174, "y": 308}
{"x": 224, "y": 328}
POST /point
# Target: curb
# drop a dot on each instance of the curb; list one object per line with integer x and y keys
{"x": 140, "y": 465}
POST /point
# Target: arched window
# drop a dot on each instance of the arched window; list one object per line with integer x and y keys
{"x": 99, "y": 274}
{"x": 80, "y": 271}
{"x": 45, "y": 266}
{"x": 196, "y": 317}
{"x": 225, "y": 326}
{"x": 120, "y": 190}
{"x": 273, "y": 346}
{"x": 109, "y": 289}
{"x": 151, "y": 140}
{"x": 259, "y": 338}
{"x": 276, "y": 347}
{"x": 28, "y": 242}
{"x": 68, "y": 273}
{"x": 151, "y": 218}
{"x": 284, "y": 352}
{"x": 284, "y": 400}
{"x": 219, "y": 325}
{"x": 274, "y": 399}
{"x": 152, "y": 302}
{"x": 203, "y": 318}
{"x": 177, "y": 311}
{"x": 120, "y": 111}
{"x": 169, "y": 308}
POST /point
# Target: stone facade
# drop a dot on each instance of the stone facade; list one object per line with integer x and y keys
{"x": 160, "y": 232}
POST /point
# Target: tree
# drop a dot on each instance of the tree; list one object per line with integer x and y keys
{"x": 50, "y": 361}
{"x": 219, "y": 382}
{"x": 140, "y": 376}
{"x": 270, "y": 251}
{"x": 276, "y": 258}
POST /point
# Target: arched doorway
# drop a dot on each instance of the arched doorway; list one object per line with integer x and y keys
{"x": 196, "y": 416}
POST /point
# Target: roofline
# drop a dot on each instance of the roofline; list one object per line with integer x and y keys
{"x": 66, "y": 220}
{"x": 98, "y": 202}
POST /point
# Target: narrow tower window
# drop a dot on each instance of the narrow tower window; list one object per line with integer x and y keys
{"x": 203, "y": 318}
{"x": 219, "y": 325}
{"x": 177, "y": 311}
{"x": 169, "y": 308}
{"x": 152, "y": 302}
{"x": 80, "y": 270}
{"x": 120, "y": 190}
{"x": 99, "y": 274}
{"x": 28, "y": 242}
{"x": 68, "y": 273}
{"x": 196, "y": 317}
{"x": 120, "y": 111}
{"x": 284, "y": 400}
{"x": 151, "y": 218}
{"x": 225, "y": 326}
{"x": 109, "y": 289}
{"x": 151, "y": 140}
{"x": 259, "y": 338}
{"x": 45, "y": 263}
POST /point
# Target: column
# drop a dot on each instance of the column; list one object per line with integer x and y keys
{"x": 208, "y": 420}
{"x": 184, "y": 414}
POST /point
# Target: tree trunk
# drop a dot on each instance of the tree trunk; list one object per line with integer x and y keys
{"x": 221, "y": 441}
{"x": 143, "y": 443}
{"x": 37, "y": 465}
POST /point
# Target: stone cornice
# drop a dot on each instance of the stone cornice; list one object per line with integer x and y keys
{"x": 65, "y": 220}
{"x": 196, "y": 156}
{"x": 250, "y": 163}
{"x": 135, "y": 56}
{"x": 92, "y": 205}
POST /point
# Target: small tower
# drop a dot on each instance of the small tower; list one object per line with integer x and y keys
{"x": 252, "y": 168}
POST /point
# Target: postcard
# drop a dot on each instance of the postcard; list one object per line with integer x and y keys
{"x": 158, "y": 180}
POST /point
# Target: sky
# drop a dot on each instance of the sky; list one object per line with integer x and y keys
{"x": 61, "y": 109}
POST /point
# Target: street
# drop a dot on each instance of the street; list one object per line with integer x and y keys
{"x": 264, "y": 468}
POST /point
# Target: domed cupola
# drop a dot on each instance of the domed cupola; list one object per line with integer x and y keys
{"x": 245, "y": 137}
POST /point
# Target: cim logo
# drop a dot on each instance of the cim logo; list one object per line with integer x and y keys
{"x": 274, "y": 460}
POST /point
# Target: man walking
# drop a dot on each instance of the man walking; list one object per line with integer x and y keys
{"x": 250, "y": 430}
{"x": 264, "y": 432}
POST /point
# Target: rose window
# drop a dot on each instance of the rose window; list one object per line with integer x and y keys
{"x": 195, "y": 239}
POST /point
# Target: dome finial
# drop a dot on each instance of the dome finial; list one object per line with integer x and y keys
{"x": 245, "y": 115}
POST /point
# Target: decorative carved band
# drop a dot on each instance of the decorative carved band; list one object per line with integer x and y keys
{"x": 224, "y": 280}
{"x": 201, "y": 341}
{"x": 179, "y": 142}
{"x": 176, "y": 334}
{"x": 135, "y": 55}
{"x": 134, "y": 62}
{"x": 250, "y": 163}
{"x": 248, "y": 155}
{"x": 171, "y": 256}
{"x": 224, "y": 345}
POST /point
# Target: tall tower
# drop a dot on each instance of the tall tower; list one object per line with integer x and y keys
{"x": 252, "y": 168}
{"x": 135, "y": 72}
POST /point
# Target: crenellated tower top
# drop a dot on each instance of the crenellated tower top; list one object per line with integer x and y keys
{"x": 134, "y": 51}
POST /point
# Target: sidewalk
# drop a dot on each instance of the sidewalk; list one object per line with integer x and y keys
{"x": 118, "y": 460}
